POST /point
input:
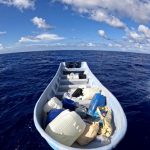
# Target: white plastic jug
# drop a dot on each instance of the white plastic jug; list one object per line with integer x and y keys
{"x": 53, "y": 103}
{"x": 66, "y": 127}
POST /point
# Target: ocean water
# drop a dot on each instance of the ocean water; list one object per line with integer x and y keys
{"x": 23, "y": 77}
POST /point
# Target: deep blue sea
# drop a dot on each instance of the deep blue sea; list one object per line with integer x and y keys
{"x": 24, "y": 76}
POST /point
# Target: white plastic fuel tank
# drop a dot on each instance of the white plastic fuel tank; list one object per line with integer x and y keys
{"x": 53, "y": 103}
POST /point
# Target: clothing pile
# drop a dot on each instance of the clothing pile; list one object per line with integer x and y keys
{"x": 76, "y": 76}
{"x": 68, "y": 121}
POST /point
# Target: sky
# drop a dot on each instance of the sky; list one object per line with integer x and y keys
{"x": 111, "y": 25}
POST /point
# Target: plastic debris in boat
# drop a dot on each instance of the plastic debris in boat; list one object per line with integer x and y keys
{"x": 53, "y": 103}
{"x": 106, "y": 129}
{"x": 77, "y": 92}
{"x": 97, "y": 101}
{"x": 69, "y": 104}
{"x": 88, "y": 93}
{"x": 89, "y": 119}
{"x": 52, "y": 114}
{"x": 73, "y": 64}
{"x": 73, "y": 76}
{"x": 67, "y": 95}
{"x": 82, "y": 76}
{"x": 89, "y": 133}
{"x": 82, "y": 111}
{"x": 66, "y": 127}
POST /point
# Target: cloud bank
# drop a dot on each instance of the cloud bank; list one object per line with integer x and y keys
{"x": 107, "y": 10}
{"x": 45, "y": 37}
{"x": 134, "y": 39}
{"x": 20, "y": 4}
{"x": 1, "y": 46}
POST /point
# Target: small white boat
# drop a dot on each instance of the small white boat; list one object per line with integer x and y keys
{"x": 61, "y": 84}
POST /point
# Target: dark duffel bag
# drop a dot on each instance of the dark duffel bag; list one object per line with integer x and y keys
{"x": 77, "y": 92}
{"x": 82, "y": 76}
{"x": 73, "y": 64}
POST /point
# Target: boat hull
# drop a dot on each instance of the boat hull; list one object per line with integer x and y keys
{"x": 120, "y": 120}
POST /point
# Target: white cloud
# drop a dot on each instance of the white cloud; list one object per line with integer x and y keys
{"x": 102, "y": 16}
{"x": 40, "y": 23}
{"x": 81, "y": 44}
{"x": 20, "y": 4}
{"x": 145, "y": 30}
{"x": 45, "y": 37}
{"x": 109, "y": 10}
{"x": 134, "y": 35}
{"x": 48, "y": 37}
{"x": 117, "y": 45}
{"x": 138, "y": 45}
{"x": 2, "y": 32}
{"x": 102, "y": 33}
{"x": 137, "y": 39}
{"x": 139, "y": 35}
{"x": 28, "y": 39}
{"x": 90, "y": 44}
{"x": 110, "y": 45}
{"x": 95, "y": 11}
{"x": 1, "y": 46}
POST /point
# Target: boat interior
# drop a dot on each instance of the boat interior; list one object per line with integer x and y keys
{"x": 61, "y": 84}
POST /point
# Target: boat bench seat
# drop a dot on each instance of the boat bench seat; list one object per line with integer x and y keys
{"x": 73, "y": 81}
{"x": 67, "y": 87}
{"x": 66, "y": 72}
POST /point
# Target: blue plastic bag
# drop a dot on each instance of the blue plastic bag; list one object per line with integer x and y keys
{"x": 52, "y": 114}
{"x": 69, "y": 104}
{"x": 97, "y": 101}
